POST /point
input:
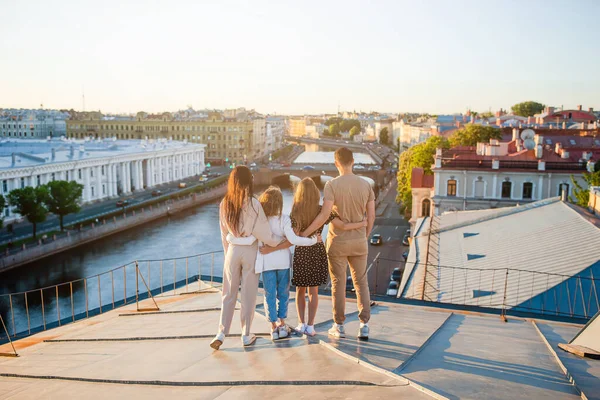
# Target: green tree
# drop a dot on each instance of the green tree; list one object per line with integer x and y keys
{"x": 354, "y": 131}
{"x": 2, "y": 205}
{"x": 581, "y": 196}
{"x": 420, "y": 155}
{"x": 326, "y": 132}
{"x": 334, "y": 130}
{"x": 63, "y": 198}
{"x": 486, "y": 115}
{"x": 29, "y": 202}
{"x": 472, "y": 134}
{"x": 384, "y": 136}
{"x": 528, "y": 108}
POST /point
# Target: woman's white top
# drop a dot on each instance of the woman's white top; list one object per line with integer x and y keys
{"x": 281, "y": 226}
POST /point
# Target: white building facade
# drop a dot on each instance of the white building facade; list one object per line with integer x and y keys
{"x": 105, "y": 169}
{"x": 32, "y": 123}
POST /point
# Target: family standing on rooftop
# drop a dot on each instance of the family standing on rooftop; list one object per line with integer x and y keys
{"x": 349, "y": 205}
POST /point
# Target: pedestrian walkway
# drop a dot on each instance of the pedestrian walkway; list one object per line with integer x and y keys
{"x": 413, "y": 352}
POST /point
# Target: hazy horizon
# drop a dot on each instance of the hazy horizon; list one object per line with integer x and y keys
{"x": 299, "y": 58}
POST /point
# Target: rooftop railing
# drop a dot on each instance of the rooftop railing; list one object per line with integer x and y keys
{"x": 534, "y": 165}
{"x": 32, "y": 311}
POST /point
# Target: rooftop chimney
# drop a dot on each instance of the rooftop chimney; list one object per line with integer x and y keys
{"x": 557, "y": 147}
{"x": 14, "y": 159}
{"x": 53, "y": 153}
{"x": 591, "y": 109}
{"x": 539, "y": 151}
{"x": 564, "y": 126}
{"x": 515, "y": 132}
{"x": 579, "y": 107}
{"x": 550, "y": 110}
{"x": 519, "y": 145}
{"x": 564, "y": 154}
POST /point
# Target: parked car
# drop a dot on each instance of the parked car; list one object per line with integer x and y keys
{"x": 122, "y": 203}
{"x": 253, "y": 165}
{"x": 156, "y": 193}
{"x": 376, "y": 239}
{"x": 405, "y": 240}
{"x": 349, "y": 284}
{"x": 392, "y": 289}
{"x": 359, "y": 167}
{"x": 308, "y": 168}
{"x": 203, "y": 178}
{"x": 405, "y": 255}
{"x": 182, "y": 185}
{"x": 374, "y": 168}
{"x": 286, "y": 164}
{"x": 396, "y": 275}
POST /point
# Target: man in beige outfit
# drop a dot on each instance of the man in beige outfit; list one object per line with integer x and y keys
{"x": 352, "y": 198}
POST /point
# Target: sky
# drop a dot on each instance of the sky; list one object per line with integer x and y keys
{"x": 299, "y": 57}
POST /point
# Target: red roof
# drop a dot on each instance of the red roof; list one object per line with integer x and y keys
{"x": 420, "y": 180}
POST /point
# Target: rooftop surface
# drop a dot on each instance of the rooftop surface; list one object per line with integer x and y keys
{"x": 414, "y": 352}
{"x": 31, "y": 152}
{"x": 511, "y": 257}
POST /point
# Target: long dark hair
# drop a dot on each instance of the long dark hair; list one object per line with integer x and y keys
{"x": 239, "y": 189}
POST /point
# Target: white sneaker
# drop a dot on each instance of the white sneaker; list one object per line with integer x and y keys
{"x": 301, "y": 329}
{"x": 283, "y": 332}
{"x": 218, "y": 341}
{"x": 275, "y": 334}
{"x": 337, "y": 331}
{"x": 310, "y": 330}
{"x": 363, "y": 332}
{"x": 248, "y": 340}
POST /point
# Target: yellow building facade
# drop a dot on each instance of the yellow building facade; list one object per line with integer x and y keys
{"x": 296, "y": 127}
{"x": 225, "y": 138}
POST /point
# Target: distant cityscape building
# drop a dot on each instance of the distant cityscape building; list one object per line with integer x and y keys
{"x": 296, "y": 126}
{"x": 20, "y": 123}
{"x": 226, "y": 138}
{"x": 524, "y": 167}
{"x": 106, "y": 168}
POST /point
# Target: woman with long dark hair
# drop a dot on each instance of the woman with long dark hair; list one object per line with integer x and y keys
{"x": 241, "y": 215}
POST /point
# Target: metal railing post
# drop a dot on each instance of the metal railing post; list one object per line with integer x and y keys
{"x": 12, "y": 313}
{"x": 124, "y": 284}
{"x": 161, "y": 276}
{"x": 27, "y": 311}
{"x": 186, "y": 274}
{"x": 112, "y": 284}
{"x": 72, "y": 303}
{"x": 174, "y": 275}
{"x": 87, "y": 313}
{"x": 99, "y": 295}
{"x": 503, "y": 314}
{"x": 212, "y": 268}
{"x": 57, "y": 306}
{"x": 43, "y": 311}
{"x": 137, "y": 289}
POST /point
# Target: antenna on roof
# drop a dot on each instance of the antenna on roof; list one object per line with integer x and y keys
{"x": 82, "y": 99}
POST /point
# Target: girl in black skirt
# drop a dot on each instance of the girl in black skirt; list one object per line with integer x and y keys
{"x": 310, "y": 267}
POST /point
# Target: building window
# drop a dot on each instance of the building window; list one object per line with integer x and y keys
{"x": 53, "y": 176}
{"x": 451, "y": 188}
{"x": 506, "y": 189}
{"x": 103, "y": 189}
{"x": 67, "y": 175}
{"x": 565, "y": 187}
{"x": 426, "y": 208}
{"x": 102, "y": 170}
{"x": 79, "y": 173}
{"x": 39, "y": 180}
{"x": 5, "y": 186}
{"x": 92, "y": 191}
{"x": 528, "y": 190}
{"x": 92, "y": 172}
{"x": 22, "y": 183}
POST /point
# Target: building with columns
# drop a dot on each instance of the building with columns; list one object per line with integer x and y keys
{"x": 106, "y": 168}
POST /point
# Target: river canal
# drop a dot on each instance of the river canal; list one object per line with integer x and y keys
{"x": 188, "y": 233}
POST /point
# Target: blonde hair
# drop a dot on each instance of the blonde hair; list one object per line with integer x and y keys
{"x": 272, "y": 201}
{"x": 306, "y": 203}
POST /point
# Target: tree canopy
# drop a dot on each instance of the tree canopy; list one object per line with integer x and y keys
{"x": 528, "y": 108}
{"x": 355, "y": 130}
{"x": 581, "y": 196}
{"x": 420, "y": 155}
{"x": 384, "y": 137}
{"x": 63, "y": 198}
{"x": 472, "y": 134}
{"x": 334, "y": 130}
{"x": 30, "y": 203}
